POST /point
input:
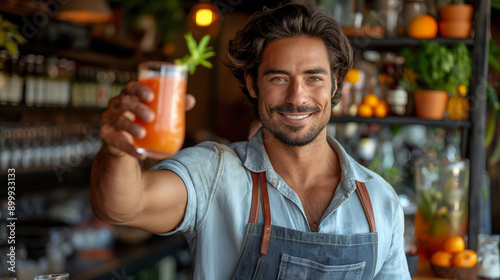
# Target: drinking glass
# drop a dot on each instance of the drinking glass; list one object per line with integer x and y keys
{"x": 165, "y": 135}
{"x": 55, "y": 276}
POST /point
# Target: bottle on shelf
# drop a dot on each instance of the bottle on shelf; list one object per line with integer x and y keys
{"x": 16, "y": 79}
{"x": 30, "y": 81}
{"x": 4, "y": 77}
{"x": 40, "y": 80}
{"x": 51, "y": 87}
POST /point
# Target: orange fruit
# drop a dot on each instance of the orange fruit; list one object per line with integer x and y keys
{"x": 441, "y": 258}
{"x": 365, "y": 110}
{"x": 352, "y": 76}
{"x": 381, "y": 109}
{"x": 465, "y": 258}
{"x": 454, "y": 244}
{"x": 458, "y": 108}
{"x": 422, "y": 27}
{"x": 370, "y": 99}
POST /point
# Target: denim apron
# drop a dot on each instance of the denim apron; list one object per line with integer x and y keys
{"x": 272, "y": 252}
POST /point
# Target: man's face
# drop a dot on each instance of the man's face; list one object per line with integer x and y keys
{"x": 294, "y": 86}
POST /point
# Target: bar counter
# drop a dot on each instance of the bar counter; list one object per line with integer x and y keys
{"x": 125, "y": 259}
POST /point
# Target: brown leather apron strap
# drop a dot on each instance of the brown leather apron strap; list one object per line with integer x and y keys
{"x": 266, "y": 233}
{"x": 254, "y": 210}
{"x": 364, "y": 197}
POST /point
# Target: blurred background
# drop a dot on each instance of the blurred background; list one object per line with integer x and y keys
{"x": 61, "y": 61}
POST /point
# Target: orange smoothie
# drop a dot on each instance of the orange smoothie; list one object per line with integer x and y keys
{"x": 165, "y": 135}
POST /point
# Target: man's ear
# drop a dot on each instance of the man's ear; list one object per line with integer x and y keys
{"x": 249, "y": 83}
{"x": 334, "y": 85}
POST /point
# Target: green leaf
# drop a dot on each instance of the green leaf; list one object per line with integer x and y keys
{"x": 206, "y": 64}
{"x": 494, "y": 62}
{"x": 208, "y": 55}
{"x": 192, "y": 69}
{"x": 490, "y": 130}
{"x": 492, "y": 99}
{"x": 494, "y": 48}
{"x": 203, "y": 43}
{"x": 495, "y": 157}
{"x": 11, "y": 47}
{"x": 191, "y": 43}
{"x": 18, "y": 37}
{"x": 2, "y": 37}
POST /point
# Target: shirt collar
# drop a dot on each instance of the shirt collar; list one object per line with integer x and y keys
{"x": 258, "y": 161}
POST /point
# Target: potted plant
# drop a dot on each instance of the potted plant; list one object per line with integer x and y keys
{"x": 10, "y": 37}
{"x": 432, "y": 72}
{"x": 456, "y": 19}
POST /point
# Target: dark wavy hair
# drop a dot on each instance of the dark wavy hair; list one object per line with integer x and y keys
{"x": 286, "y": 21}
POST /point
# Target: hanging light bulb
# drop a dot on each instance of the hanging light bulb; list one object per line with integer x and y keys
{"x": 204, "y": 19}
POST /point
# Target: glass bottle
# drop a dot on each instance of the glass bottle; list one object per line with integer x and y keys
{"x": 16, "y": 80}
{"x": 412, "y": 9}
{"x": 488, "y": 257}
{"x": 4, "y": 78}
{"x": 30, "y": 80}
{"x": 41, "y": 81}
{"x": 442, "y": 199}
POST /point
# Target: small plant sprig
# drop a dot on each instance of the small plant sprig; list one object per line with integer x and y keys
{"x": 10, "y": 37}
{"x": 198, "y": 53}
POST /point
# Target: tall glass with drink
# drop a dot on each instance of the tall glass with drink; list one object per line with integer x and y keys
{"x": 165, "y": 135}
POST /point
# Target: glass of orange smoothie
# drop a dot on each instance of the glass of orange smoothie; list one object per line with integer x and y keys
{"x": 165, "y": 135}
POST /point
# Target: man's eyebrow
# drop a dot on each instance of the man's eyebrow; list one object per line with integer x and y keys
{"x": 309, "y": 71}
{"x": 316, "y": 71}
{"x": 275, "y": 71}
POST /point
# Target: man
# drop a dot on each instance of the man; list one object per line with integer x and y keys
{"x": 287, "y": 204}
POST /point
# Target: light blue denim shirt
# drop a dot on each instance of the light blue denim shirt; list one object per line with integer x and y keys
{"x": 218, "y": 179}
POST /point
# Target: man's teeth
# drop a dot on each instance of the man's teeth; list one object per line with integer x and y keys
{"x": 299, "y": 117}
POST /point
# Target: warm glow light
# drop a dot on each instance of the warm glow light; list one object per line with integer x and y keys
{"x": 204, "y": 17}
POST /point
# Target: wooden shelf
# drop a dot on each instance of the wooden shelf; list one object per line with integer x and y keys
{"x": 394, "y": 120}
{"x": 69, "y": 109}
{"x": 398, "y": 42}
{"x": 87, "y": 57}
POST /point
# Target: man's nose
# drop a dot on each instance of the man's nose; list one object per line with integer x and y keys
{"x": 297, "y": 93}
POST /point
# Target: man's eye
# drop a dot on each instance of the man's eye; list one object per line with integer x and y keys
{"x": 278, "y": 79}
{"x": 315, "y": 79}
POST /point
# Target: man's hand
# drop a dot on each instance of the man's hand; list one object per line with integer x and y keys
{"x": 117, "y": 125}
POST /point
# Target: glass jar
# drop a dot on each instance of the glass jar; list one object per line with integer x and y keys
{"x": 488, "y": 257}
{"x": 412, "y": 9}
{"x": 442, "y": 198}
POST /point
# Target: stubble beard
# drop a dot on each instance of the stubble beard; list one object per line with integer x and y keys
{"x": 291, "y": 136}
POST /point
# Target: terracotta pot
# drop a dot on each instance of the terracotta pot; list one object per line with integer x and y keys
{"x": 430, "y": 104}
{"x": 455, "y": 28}
{"x": 457, "y": 12}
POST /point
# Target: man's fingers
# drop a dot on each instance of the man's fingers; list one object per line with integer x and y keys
{"x": 137, "y": 89}
{"x": 190, "y": 101}
{"x": 130, "y": 103}
{"x": 118, "y": 142}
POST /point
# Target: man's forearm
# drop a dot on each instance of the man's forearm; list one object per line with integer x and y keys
{"x": 116, "y": 187}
